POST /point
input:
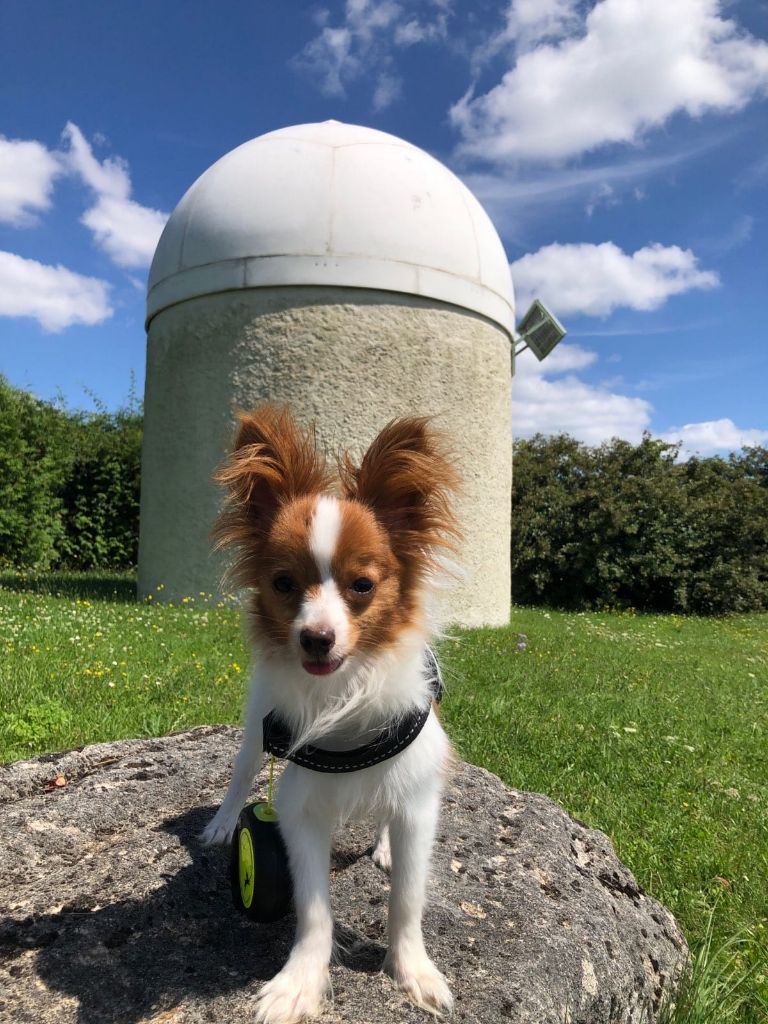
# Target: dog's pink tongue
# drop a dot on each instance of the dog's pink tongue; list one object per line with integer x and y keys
{"x": 317, "y": 668}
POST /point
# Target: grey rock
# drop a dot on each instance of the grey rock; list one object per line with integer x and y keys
{"x": 112, "y": 912}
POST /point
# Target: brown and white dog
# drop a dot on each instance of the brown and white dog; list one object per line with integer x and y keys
{"x": 339, "y": 618}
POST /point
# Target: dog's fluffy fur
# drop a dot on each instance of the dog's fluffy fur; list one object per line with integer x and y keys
{"x": 339, "y": 617}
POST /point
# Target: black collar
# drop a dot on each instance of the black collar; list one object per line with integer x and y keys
{"x": 277, "y": 737}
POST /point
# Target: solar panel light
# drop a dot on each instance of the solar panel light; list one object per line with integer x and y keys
{"x": 539, "y": 330}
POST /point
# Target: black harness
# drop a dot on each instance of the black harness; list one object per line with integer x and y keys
{"x": 277, "y": 736}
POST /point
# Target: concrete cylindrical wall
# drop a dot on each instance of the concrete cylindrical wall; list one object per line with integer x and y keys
{"x": 349, "y": 360}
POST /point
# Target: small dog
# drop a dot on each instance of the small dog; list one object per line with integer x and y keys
{"x": 339, "y": 617}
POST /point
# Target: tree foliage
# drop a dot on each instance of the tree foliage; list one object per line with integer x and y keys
{"x": 623, "y": 525}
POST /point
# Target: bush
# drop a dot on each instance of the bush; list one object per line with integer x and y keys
{"x": 33, "y": 467}
{"x": 726, "y": 554}
{"x": 100, "y": 496}
{"x": 69, "y": 484}
{"x": 625, "y": 525}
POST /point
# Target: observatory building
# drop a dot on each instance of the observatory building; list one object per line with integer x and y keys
{"x": 352, "y": 276}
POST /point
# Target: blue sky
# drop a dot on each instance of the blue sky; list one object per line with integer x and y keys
{"x": 619, "y": 146}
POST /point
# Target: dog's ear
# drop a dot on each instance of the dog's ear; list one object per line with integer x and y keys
{"x": 272, "y": 462}
{"x": 407, "y": 478}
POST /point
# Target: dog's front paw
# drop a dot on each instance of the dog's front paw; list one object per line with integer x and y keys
{"x": 294, "y": 994}
{"x": 221, "y": 827}
{"x": 421, "y": 981}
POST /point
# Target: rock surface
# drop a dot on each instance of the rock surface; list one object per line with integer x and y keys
{"x": 112, "y": 912}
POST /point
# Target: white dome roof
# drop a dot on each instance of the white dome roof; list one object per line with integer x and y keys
{"x": 337, "y": 205}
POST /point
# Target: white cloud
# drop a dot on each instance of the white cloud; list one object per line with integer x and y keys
{"x": 540, "y": 19}
{"x": 364, "y": 42}
{"x": 431, "y": 30}
{"x": 110, "y": 178}
{"x": 27, "y": 173}
{"x": 328, "y": 58}
{"x": 529, "y": 22}
{"x": 124, "y": 229}
{"x": 739, "y": 233}
{"x": 413, "y": 32}
{"x": 596, "y": 279}
{"x": 591, "y": 413}
{"x": 127, "y": 231}
{"x": 340, "y": 54}
{"x": 386, "y": 92}
{"x": 603, "y": 195}
{"x": 549, "y": 398}
{"x": 713, "y": 436}
{"x": 54, "y": 296}
{"x": 564, "y": 359}
{"x": 526, "y": 24}
{"x": 513, "y": 199}
{"x": 630, "y": 67}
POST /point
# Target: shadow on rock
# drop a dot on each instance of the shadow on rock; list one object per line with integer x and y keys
{"x": 128, "y": 960}
{"x": 132, "y": 959}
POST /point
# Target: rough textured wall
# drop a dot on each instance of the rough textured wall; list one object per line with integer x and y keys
{"x": 349, "y": 359}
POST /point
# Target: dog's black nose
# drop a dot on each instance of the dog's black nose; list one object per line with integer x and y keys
{"x": 317, "y": 641}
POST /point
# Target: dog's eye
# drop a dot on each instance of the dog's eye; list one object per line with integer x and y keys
{"x": 284, "y": 584}
{"x": 362, "y": 585}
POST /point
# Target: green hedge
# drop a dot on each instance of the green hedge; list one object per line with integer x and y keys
{"x": 69, "y": 485}
{"x": 33, "y": 457}
{"x": 625, "y": 525}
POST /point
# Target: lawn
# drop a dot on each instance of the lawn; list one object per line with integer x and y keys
{"x": 652, "y": 728}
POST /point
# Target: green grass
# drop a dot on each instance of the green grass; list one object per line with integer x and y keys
{"x": 84, "y": 662}
{"x": 718, "y": 990}
{"x": 652, "y": 728}
{"x": 655, "y": 730}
